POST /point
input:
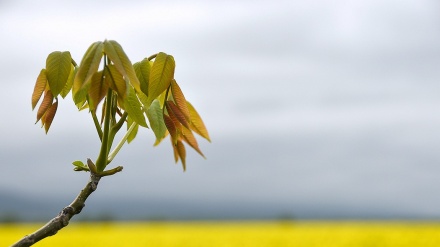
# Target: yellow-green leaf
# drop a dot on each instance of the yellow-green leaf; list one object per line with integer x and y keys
{"x": 79, "y": 163}
{"x": 142, "y": 69}
{"x": 98, "y": 90}
{"x": 115, "y": 81}
{"x": 122, "y": 63}
{"x": 155, "y": 117}
{"x": 197, "y": 124}
{"x": 49, "y": 116}
{"x": 58, "y": 67}
{"x": 39, "y": 87}
{"x": 45, "y": 104}
{"x": 82, "y": 105}
{"x": 157, "y": 142}
{"x": 161, "y": 74}
{"x": 144, "y": 99}
{"x": 133, "y": 108}
{"x": 89, "y": 65}
{"x": 69, "y": 83}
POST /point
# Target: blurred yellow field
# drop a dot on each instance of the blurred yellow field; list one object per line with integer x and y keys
{"x": 213, "y": 234}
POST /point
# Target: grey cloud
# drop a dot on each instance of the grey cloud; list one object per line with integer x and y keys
{"x": 308, "y": 104}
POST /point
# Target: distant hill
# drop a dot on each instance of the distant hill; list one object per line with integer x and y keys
{"x": 18, "y": 207}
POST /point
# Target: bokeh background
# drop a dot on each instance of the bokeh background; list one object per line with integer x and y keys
{"x": 316, "y": 109}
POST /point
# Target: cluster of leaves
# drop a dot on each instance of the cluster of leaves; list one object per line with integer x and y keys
{"x": 131, "y": 94}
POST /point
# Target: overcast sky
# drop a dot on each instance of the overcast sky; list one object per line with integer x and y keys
{"x": 316, "y": 103}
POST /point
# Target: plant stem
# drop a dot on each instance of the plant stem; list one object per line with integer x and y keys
{"x": 97, "y": 125}
{"x": 121, "y": 121}
{"x": 121, "y": 143}
{"x": 152, "y": 57}
{"x": 165, "y": 99}
{"x": 101, "y": 162}
{"x": 63, "y": 218}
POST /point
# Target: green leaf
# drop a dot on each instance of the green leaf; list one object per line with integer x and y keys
{"x": 39, "y": 87}
{"x": 142, "y": 70}
{"x": 122, "y": 63}
{"x": 82, "y": 105}
{"x": 161, "y": 74}
{"x": 79, "y": 166}
{"x": 89, "y": 65}
{"x": 134, "y": 109}
{"x": 69, "y": 83}
{"x": 58, "y": 67}
{"x": 144, "y": 99}
{"x": 78, "y": 163}
{"x": 155, "y": 116}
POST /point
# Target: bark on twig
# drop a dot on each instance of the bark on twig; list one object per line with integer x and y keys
{"x": 63, "y": 218}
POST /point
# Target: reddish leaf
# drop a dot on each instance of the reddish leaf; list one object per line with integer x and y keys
{"x": 172, "y": 108}
{"x": 169, "y": 123}
{"x": 182, "y": 153}
{"x": 189, "y": 138}
{"x": 45, "y": 104}
{"x": 176, "y": 153}
{"x": 180, "y": 100}
{"x": 49, "y": 116}
{"x": 39, "y": 87}
{"x": 176, "y": 123}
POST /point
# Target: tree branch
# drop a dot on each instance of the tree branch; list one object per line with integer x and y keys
{"x": 63, "y": 218}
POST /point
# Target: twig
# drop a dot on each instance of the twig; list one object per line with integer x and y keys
{"x": 63, "y": 218}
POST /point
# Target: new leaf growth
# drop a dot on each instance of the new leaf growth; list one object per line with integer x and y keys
{"x": 130, "y": 94}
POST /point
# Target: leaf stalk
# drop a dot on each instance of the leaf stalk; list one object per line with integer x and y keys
{"x": 121, "y": 143}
